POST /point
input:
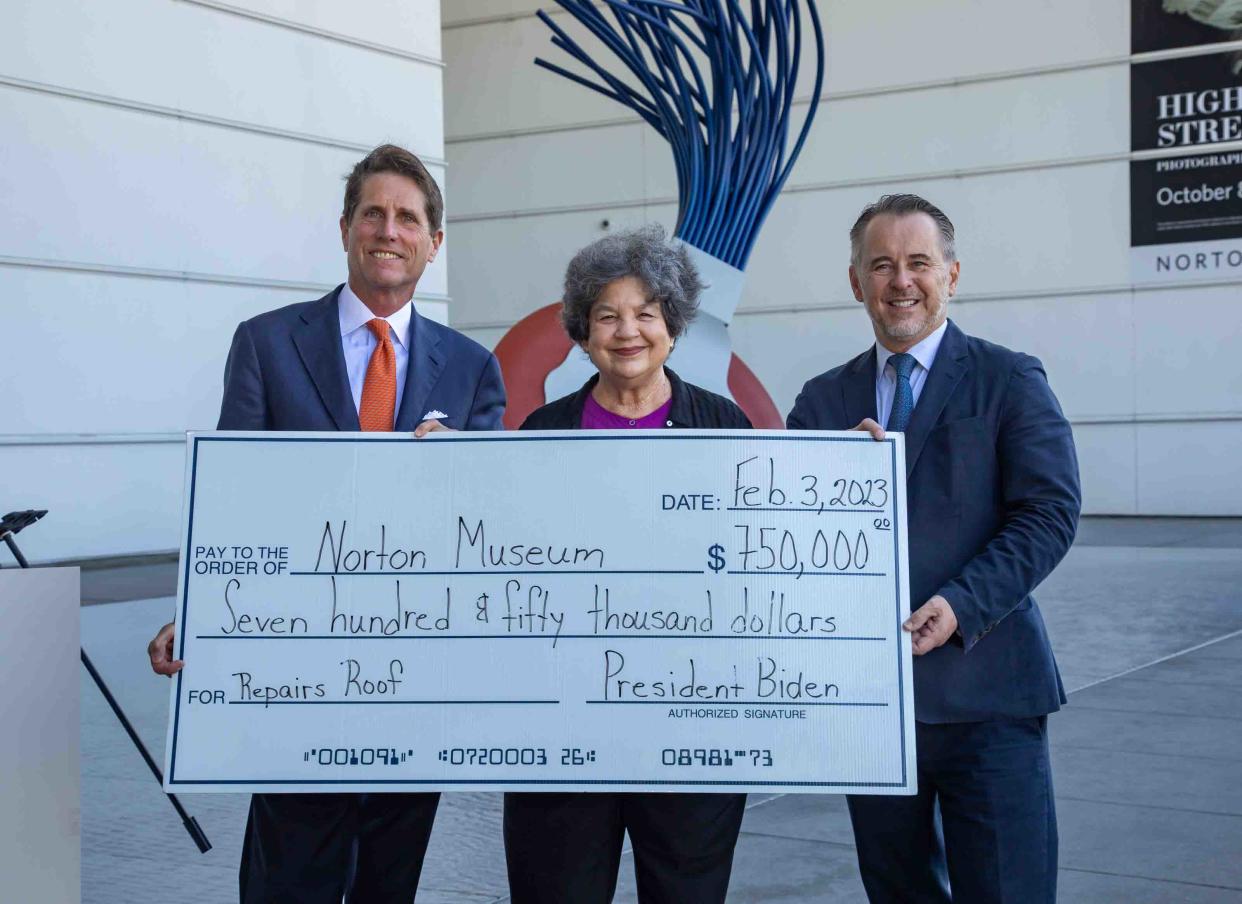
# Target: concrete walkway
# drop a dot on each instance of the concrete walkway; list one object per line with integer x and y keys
{"x": 1146, "y": 619}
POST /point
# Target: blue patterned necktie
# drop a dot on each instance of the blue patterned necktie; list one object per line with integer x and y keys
{"x": 903, "y": 397}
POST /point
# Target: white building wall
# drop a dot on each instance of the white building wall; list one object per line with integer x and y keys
{"x": 1013, "y": 117}
{"x": 170, "y": 167}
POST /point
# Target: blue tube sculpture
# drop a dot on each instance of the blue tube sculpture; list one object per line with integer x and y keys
{"x": 717, "y": 82}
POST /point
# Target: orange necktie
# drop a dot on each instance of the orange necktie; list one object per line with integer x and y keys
{"x": 379, "y": 390}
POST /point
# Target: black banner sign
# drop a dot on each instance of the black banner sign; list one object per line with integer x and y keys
{"x": 1186, "y": 116}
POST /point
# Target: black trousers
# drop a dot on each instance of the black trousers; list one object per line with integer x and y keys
{"x": 995, "y": 837}
{"x": 314, "y": 848}
{"x": 566, "y": 848}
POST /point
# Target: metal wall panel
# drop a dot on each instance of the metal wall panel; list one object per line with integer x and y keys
{"x": 169, "y": 168}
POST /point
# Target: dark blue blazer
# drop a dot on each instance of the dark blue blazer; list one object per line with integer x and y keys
{"x": 992, "y": 501}
{"x": 286, "y": 371}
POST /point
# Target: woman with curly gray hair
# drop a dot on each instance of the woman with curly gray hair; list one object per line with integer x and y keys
{"x": 627, "y": 298}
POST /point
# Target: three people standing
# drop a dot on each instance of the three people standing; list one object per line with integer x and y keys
{"x": 993, "y": 500}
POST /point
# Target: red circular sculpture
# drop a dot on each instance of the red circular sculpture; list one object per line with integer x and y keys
{"x": 537, "y": 344}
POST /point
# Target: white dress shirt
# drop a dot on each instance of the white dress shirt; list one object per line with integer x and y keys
{"x": 358, "y": 342}
{"x": 886, "y": 378}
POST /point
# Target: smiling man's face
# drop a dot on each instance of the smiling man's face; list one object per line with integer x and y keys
{"x": 388, "y": 243}
{"x": 902, "y": 278}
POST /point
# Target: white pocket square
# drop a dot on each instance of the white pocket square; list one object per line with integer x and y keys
{"x": 434, "y": 414}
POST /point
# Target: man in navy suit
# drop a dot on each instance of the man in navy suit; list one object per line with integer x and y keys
{"x": 360, "y": 357}
{"x": 992, "y": 507}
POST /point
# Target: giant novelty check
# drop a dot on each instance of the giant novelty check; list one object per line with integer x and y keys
{"x": 647, "y": 610}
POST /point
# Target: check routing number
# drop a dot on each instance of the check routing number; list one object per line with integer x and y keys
{"x": 591, "y": 610}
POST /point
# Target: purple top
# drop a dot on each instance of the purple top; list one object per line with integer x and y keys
{"x": 596, "y": 417}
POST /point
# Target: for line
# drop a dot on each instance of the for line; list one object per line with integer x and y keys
{"x": 394, "y": 702}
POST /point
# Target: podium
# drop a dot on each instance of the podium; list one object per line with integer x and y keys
{"x": 40, "y": 814}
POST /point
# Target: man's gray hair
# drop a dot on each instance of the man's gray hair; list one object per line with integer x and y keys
{"x": 902, "y": 205}
{"x": 665, "y": 270}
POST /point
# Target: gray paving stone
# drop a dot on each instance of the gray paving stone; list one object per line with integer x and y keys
{"x": 1229, "y": 648}
{"x": 429, "y": 894}
{"x": 1139, "y": 693}
{"x": 125, "y": 881}
{"x": 803, "y": 817}
{"x": 1195, "y": 669}
{"x": 1102, "y": 614}
{"x": 1205, "y": 533}
{"x": 1186, "y": 736}
{"x": 466, "y": 853}
{"x": 780, "y": 871}
{"x": 1123, "y": 777}
{"x": 1077, "y": 887}
{"x": 1149, "y": 843}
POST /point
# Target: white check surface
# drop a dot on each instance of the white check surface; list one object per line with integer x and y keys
{"x": 644, "y": 610}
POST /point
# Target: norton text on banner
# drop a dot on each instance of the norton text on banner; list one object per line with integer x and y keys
{"x": 591, "y": 610}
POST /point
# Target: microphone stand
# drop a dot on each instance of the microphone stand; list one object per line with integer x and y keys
{"x": 10, "y": 525}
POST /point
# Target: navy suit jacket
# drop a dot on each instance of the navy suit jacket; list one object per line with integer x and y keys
{"x": 286, "y": 371}
{"x": 992, "y": 501}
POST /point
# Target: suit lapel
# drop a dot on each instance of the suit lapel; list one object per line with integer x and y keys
{"x": 947, "y": 371}
{"x": 858, "y": 389}
{"x": 426, "y": 363}
{"x": 318, "y": 342}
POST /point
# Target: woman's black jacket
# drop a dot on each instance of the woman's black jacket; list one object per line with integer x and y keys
{"x": 692, "y": 407}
